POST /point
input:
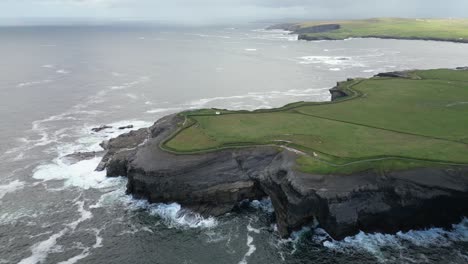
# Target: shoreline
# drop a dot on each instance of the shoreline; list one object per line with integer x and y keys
{"x": 214, "y": 183}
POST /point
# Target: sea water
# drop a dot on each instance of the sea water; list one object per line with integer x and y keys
{"x": 59, "y": 82}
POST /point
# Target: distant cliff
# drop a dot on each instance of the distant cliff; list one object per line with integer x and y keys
{"x": 454, "y": 30}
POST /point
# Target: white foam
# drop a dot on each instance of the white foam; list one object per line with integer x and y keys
{"x": 162, "y": 110}
{"x": 84, "y": 215}
{"x": 250, "y": 245}
{"x": 250, "y": 49}
{"x": 48, "y": 66}
{"x": 76, "y": 258}
{"x": 41, "y": 250}
{"x": 80, "y": 174}
{"x": 331, "y": 60}
{"x": 373, "y": 243}
{"x": 335, "y": 69}
{"x": 10, "y": 187}
{"x": 264, "y": 205}
{"x": 175, "y": 216}
{"x": 253, "y": 230}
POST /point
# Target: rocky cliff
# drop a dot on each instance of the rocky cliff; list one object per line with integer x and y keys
{"x": 214, "y": 183}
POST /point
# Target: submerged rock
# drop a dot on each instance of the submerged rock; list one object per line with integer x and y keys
{"x": 395, "y": 74}
{"x": 126, "y": 127}
{"x": 99, "y": 129}
{"x": 79, "y": 156}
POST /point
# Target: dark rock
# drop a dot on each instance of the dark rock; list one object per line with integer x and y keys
{"x": 126, "y": 127}
{"x": 119, "y": 149}
{"x": 79, "y": 156}
{"x": 99, "y": 129}
{"x": 336, "y": 93}
{"x": 310, "y": 37}
{"x": 462, "y": 68}
{"x": 395, "y": 74}
{"x": 214, "y": 183}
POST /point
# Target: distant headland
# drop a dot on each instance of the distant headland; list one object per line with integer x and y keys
{"x": 453, "y": 30}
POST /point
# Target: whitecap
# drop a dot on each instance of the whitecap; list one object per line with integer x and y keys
{"x": 250, "y": 49}
{"x": 48, "y": 66}
{"x": 335, "y": 69}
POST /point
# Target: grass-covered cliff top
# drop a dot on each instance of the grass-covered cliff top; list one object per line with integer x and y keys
{"x": 384, "y": 124}
{"x": 399, "y": 28}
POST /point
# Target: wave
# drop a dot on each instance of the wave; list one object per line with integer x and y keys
{"x": 375, "y": 243}
{"x": 174, "y": 216}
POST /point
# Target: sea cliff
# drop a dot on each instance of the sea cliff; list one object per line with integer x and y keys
{"x": 213, "y": 183}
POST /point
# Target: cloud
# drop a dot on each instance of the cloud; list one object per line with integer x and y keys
{"x": 214, "y": 11}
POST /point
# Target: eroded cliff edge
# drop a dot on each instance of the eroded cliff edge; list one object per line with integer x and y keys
{"x": 214, "y": 183}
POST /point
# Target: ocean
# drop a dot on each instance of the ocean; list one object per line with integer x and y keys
{"x": 59, "y": 82}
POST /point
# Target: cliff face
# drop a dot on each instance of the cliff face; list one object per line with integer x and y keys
{"x": 214, "y": 183}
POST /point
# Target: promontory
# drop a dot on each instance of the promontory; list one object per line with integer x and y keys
{"x": 388, "y": 153}
{"x": 454, "y": 30}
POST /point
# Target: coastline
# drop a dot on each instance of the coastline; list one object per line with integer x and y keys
{"x": 343, "y": 205}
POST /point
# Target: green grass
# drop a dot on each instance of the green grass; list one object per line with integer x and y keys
{"x": 437, "y": 29}
{"x": 386, "y": 124}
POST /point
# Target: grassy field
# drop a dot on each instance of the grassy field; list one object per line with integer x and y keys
{"x": 386, "y": 124}
{"x": 435, "y": 29}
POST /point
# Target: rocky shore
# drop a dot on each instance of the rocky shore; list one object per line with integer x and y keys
{"x": 216, "y": 182}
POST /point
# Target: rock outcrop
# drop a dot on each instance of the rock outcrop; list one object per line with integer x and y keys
{"x": 395, "y": 74}
{"x": 214, "y": 183}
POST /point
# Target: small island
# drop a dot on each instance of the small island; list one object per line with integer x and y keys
{"x": 388, "y": 153}
{"x": 454, "y": 30}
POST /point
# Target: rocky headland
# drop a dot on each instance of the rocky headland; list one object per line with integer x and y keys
{"x": 214, "y": 183}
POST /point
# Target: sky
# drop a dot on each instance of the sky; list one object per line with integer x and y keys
{"x": 228, "y": 11}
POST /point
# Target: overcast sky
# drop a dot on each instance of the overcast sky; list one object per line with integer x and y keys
{"x": 229, "y": 11}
